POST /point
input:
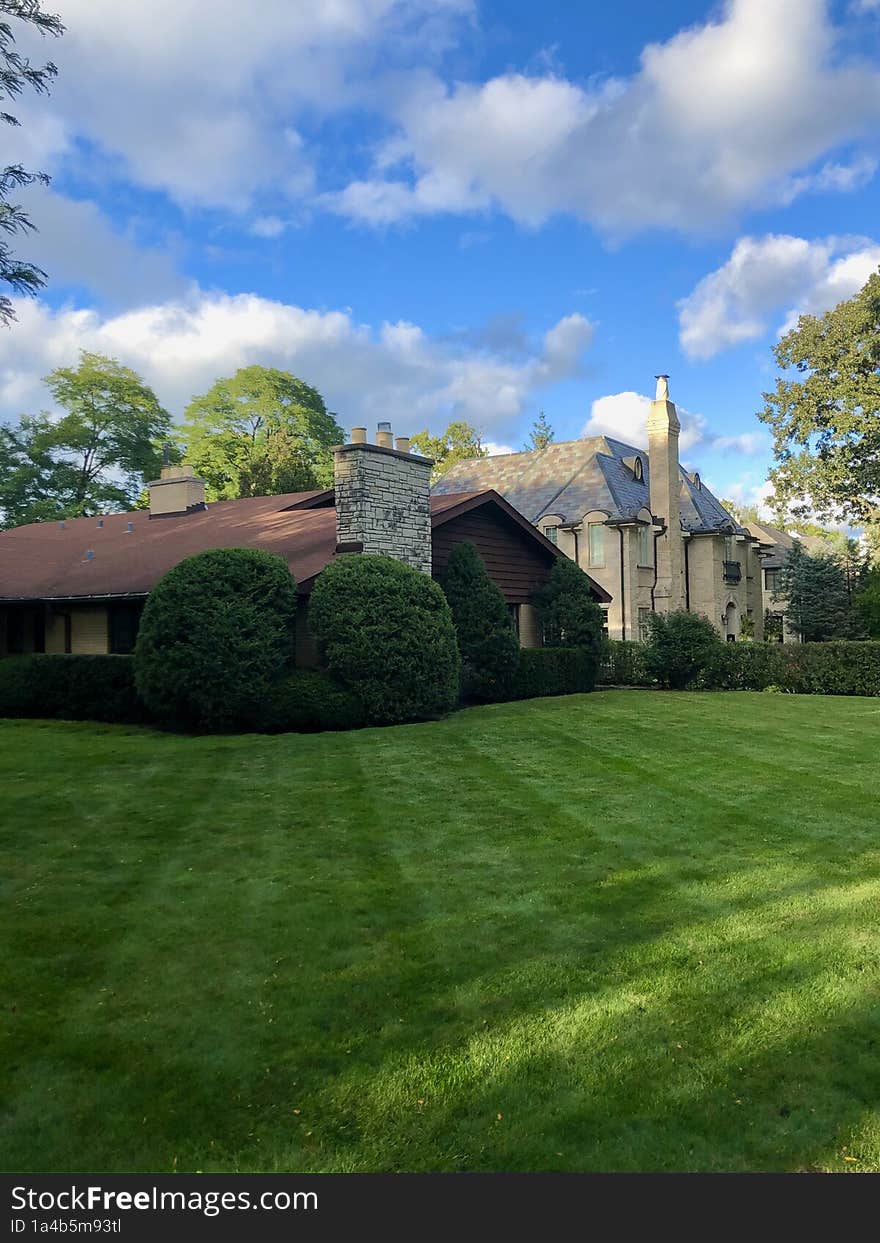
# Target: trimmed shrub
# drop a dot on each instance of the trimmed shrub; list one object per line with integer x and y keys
{"x": 487, "y": 641}
{"x": 843, "y": 668}
{"x": 682, "y": 645}
{"x": 623, "y": 664}
{"x": 217, "y": 633}
{"x": 567, "y": 613}
{"x": 554, "y": 671}
{"x": 307, "y": 701}
{"x": 385, "y": 631}
{"x": 71, "y": 688}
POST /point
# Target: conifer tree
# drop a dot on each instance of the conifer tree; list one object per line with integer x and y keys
{"x": 487, "y": 640}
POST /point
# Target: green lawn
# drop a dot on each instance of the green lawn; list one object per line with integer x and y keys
{"x": 623, "y": 931}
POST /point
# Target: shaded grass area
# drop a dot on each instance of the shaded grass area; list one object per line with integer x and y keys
{"x": 624, "y": 931}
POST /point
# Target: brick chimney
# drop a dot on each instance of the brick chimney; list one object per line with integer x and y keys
{"x": 383, "y": 498}
{"x": 665, "y": 489}
{"x": 177, "y": 491}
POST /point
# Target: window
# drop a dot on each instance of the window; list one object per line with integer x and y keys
{"x": 513, "y": 611}
{"x": 597, "y": 543}
{"x": 124, "y": 622}
{"x": 646, "y": 556}
{"x": 552, "y": 534}
{"x": 638, "y": 472}
{"x": 644, "y": 625}
{"x": 771, "y": 580}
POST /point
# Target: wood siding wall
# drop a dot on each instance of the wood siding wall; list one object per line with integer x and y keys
{"x": 511, "y": 558}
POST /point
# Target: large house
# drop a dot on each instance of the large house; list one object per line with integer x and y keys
{"x": 775, "y": 545}
{"x": 80, "y": 585}
{"x": 650, "y": 532}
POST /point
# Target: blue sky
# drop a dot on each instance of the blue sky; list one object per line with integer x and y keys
{"x": 455, "y": 208}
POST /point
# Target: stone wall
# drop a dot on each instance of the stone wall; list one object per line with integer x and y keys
{"x": 382, "y": 502}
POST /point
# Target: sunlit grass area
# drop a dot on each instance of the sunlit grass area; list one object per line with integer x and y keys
{"x": 624, "y": 931}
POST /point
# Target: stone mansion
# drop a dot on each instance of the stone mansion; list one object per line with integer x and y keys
{"x": 650, "y": 532}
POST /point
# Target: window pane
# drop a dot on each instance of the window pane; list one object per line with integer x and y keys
{"x": 551, "y": 534}
{"x": 645, "y": 557}
{"x": 597, "y": 543}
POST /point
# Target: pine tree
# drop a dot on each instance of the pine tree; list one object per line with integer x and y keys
{"x": 819, "y": 607}
{"x": 568, "y": 614}
{"x": 541, "y": 434}
{"x": 486, "y": 638}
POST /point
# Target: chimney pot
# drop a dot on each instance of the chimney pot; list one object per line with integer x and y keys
{"x": 358, "y": 435}
{"x": 402, "y": 444}
{"x": 384, "y": 437}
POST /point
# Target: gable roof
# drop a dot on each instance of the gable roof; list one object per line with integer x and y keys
{"x": 779, "y": 543}
{"x": 576, "y": 477}
{"x": 131, "y": 552}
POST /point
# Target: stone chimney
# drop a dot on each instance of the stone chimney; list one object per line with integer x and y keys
{"x": 177, "y": 491}
{"x": 383, "y": 498}
{"x": 665, "y": 489}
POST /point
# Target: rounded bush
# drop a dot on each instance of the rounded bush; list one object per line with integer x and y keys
{"x": 307, "y": 701}
{"x": 487, "y": 641}
{"x": 682, "y": 646}
{"x": 385, "y": 631}
{"x": 216, "y": 634}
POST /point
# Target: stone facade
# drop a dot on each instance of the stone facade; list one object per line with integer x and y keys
{"x": 383, "y": 502}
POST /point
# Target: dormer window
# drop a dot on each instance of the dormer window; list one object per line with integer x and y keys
{"x": 696, "y": 481}
{"x": 634, "y": 464}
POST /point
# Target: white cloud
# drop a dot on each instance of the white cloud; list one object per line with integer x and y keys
{"x": 78, "y": 246}
{"x": 748, "y": 443}
{"x": 723, "y": 116}
{"x": 268, "y": 227}
{"x": 396, "y": 371}
{"x": 495, "y": 450}
{"x": 624, "y": 416}
{"x": 205, "y": 101}
{"x": 771, "y": 279}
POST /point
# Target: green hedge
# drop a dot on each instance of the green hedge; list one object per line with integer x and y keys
{"x": 623, "y": 664}
{"x": 72, "y": 688}
{"x": 308, "y": 701}
{"x": 844, "y": 668}
{"x": 554, "y": 671}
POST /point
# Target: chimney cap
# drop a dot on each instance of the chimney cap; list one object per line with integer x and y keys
{"x": 662, "y": 387}
{"x": 383, "y": 427}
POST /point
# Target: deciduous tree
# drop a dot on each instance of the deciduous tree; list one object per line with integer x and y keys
{"x": 16, "y": 73}
{"x": 259, "y": 432}
{"x": 825, "y": 410}
{"x": 459, "y": 443}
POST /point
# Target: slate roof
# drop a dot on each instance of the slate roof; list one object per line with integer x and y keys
{"x": 779, "y": 543}
{"x": 574, "y": 477}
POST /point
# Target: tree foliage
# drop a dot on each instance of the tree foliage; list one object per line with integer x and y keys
{"x": 459, "y": 443}
{"x": 681, "y": 646}
{"x": 487, "y": 641}
{"x": 260, "y": 432}
{"x": 867, "y": 602}
{"x": 825, "y": 410}
{"x": 384, "y": 630}
{"x": 567, "y": 613}
{"x": 819, "y": 597}
{"x": 541, "y": 435}
{"x": 92, "y": 458}
{"x": 216, "y": 635}
{"x": 17, "y": 73}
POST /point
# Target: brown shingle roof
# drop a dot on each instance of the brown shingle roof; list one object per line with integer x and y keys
{"x": 50, "y": 561}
